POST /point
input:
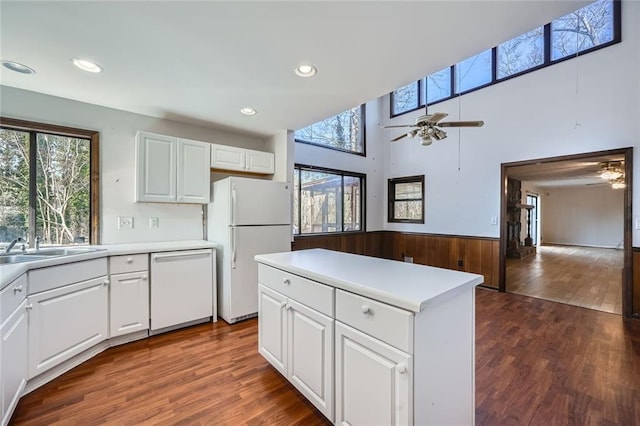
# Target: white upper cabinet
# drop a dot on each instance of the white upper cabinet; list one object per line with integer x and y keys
{"x": 225, "y": 157}
{"x": 172, "y": 170}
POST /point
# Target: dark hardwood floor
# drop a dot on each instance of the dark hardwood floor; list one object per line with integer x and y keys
{"x": 537, "y": 362}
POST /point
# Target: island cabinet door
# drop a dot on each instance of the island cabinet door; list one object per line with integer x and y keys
{"x": 272, "y": 331}
{"x": 310, "y": 358}
{"x": 373, "y": 381}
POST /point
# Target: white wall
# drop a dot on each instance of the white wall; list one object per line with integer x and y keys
{"x": 371, "y": 165}
{"x": 117, "y": 161}
{"x": 583, "y": 216}
{"x": 537, "y": 115}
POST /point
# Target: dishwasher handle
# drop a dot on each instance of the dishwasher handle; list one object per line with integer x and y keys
{"x": 181, "y": 255}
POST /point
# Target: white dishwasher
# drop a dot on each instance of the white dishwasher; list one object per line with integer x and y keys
{"x": 182, "y": 288}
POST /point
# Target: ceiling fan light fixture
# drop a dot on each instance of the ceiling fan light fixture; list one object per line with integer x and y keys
{"x": 306, "y": 70}
{"x": 426, "y": 140}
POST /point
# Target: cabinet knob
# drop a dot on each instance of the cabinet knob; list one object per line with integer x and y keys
{"x": 286, "y": 281}
{"x": 105, "y": 282}
{"x": 402, "y": 369}
{"x": 283, "y": 304}
{"x": 288, "y": 307}
{"x": 28, "y": 307}
{"x": 17, "y": 289}
{"x": 144, "y": 278}
{"x": 365, "y": 309}
{"x": 129, "y": 259}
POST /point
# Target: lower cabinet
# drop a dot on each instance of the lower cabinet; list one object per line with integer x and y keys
{"x": 298, "y": 341}
{"x": 13, "y": 359}
{"x": 66, "y": 321}
{"x": 373, "y": 380}
{"x": 128, "y": 303}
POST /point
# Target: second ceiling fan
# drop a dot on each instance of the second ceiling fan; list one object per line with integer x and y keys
{"x": 428, "y": 127}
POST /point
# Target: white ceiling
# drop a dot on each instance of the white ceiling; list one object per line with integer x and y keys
{"x": 201, "y": 61}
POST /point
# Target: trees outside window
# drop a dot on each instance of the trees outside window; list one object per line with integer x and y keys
{"x": 327, "y": 201}
{"x": 521, "y": 53}
{"x": 343, "y": 132}
{"x": 406, "y": 199}
{"x": 47, "y": 185}
{"x": 406, "y": 98}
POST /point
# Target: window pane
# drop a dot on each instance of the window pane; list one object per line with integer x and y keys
{"x": 473, "y": 72}
{"x": 409, "y": 190}
{"x": 521, "y": 53}
{"x": 296, "y": 202}
{"x": 405, "y": 99}
{"x": 352, "y": 190}
{"x": 321, "y": 196}
{"x": 583, "y": 29}
{"x": 14, "y": 185}
{"x": 439, "y": 85}
{"x": 342, "y": 131}
{"x": 63, "y": 182}
{"x": 408, "y": 210}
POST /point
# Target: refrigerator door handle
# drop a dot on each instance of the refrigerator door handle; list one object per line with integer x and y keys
{"x": 233, "y": 205}
{"x": 233, "y": 248}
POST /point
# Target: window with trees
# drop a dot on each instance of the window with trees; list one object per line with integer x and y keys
{"x": 48, "y": 184}
{"x": 590, "y": 28}
{"x": 406, "y": 98}
{"x": 343, "y": 132}
{"x": 406, "y": 199}
{"x": 327, "y": 200}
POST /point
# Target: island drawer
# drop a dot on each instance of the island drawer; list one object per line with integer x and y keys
{"x": 128, "y": 263}
{"x": 385, "y": 322}
{"x": 12, "y": 296}
{"x": 57, "y": 276}
{"x": 310, "y": 293}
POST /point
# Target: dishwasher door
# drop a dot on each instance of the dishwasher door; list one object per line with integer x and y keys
{"x": 182, "y": 284}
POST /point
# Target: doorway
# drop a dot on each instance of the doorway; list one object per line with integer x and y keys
{"x": 572, "y": 272}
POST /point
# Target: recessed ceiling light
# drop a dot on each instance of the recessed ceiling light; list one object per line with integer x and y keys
{"x": 18, "y": 67}
{"x": 248, "y": 111}
{"x": 306, "y": 70}
{"x": 85, "y": 65}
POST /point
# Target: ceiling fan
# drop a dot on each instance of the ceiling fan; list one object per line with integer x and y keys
{"x": 428, "y": 127}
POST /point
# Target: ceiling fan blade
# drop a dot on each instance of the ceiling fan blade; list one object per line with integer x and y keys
{"x": 399, "y": 125}
{"x": 435, "y": 117}
{"x": 461, "y": 124}
{"x": 399, "y": 137}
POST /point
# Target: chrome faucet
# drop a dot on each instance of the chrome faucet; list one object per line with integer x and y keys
{"x": 12, "y": 244}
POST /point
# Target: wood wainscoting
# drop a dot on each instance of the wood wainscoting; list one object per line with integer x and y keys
{"x": 475, "y": 254}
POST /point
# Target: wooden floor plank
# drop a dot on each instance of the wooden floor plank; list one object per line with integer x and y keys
{"x": 537, "y": 362}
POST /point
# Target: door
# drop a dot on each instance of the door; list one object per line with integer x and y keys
{"x": 246, "y": 243}
{"x": 66, "y": 321}
{"x": 227, "y": 158}
{"x": 532, "y": 200}
{"x": 194, "y": 161}
{"x": 260, "y": 202}
{"x": 129, "y": 297}
{"x": 272, "y": 333}
{"x": 156, "y": 168}
{"x": 260, "y": 162}
{"x": 373, "y": 381}
{"x": 310, "y": 356}
{"x": 13, "y": 360}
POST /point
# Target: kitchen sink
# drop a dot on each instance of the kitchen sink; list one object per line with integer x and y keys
{"x": 48, "y": 252}
{"x": 19, "y": 258}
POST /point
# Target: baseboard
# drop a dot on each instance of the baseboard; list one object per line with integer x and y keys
{"x": 178, "y": 326}
{"x": 581, "y": 245}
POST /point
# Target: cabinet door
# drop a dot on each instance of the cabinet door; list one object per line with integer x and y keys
{"x": 310, "y": 355}
{"x": 373, "y": 381}
{"x": 227, "y": 158}
{"x": 155, "y": 168}
{"x": 181, "y": 287}
{"x": 66, "y": 321}
{"x": 13, "y": 360}
{"x": 260, "y": 162}
{"x": 194, "y": 160}
{"x": 128, "y": 303}
{"x": 272, "y": 335}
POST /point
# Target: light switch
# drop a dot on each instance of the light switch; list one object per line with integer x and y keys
{"x": 125, "y": 222}
{"x": 153, "y": 222}
{"x": 494, "y": 220}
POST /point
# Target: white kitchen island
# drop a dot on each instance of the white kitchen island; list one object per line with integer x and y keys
{"x": 371, "y": 341}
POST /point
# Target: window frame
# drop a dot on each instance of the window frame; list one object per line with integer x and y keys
{"x": 297, "y": 168}
{"x": 419, "y": 93}
{"x": 94, "y": 168}
{"x": 363, "y": 135}
{"x": 617, "y": 38}
{"x": 391, "y": 198}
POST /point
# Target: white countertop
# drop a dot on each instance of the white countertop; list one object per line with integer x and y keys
{"x": 9, "y": 272}
{"x": 405, "y": 285}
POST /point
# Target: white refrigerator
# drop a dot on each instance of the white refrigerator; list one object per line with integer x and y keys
{"x": 246, "y": 217}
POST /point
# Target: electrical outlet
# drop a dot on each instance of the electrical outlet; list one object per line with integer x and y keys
{"x": 459, "y": 263}
{"x": 154, "y": 222}
{"x": 125, "y": 222}
{"x": 408, "y": 259}
{"x": 494, "y": 220}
